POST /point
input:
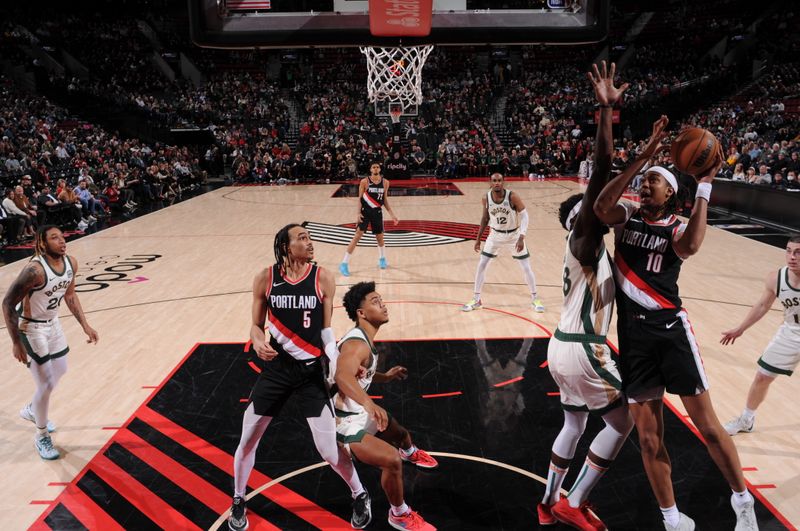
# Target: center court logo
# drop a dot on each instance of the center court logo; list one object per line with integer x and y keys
{"x": 408, "y": 233}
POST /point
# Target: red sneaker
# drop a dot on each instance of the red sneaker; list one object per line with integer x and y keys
{"x": 421, "y": 458}
{"x": 578, "y": 517}
{"x": 410, "y": 521}
{"x": 545, "y": 515}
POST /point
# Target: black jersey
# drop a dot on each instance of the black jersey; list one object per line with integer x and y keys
{"x": 373, "y": 195}
{"x": 295, "y": 313}
{"x": 647, "y": 267}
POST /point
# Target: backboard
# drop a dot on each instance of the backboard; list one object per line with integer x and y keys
{"x": 337, "y": 23}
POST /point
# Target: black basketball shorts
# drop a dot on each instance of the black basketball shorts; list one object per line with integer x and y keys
{"x": 659, "y": 350}
{"x": 284, "y": 377}
{"x": 371, "y": 217}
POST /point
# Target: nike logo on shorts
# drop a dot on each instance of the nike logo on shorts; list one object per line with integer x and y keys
{"x": 672, "y": 323}
{"x": 278, "y": 284}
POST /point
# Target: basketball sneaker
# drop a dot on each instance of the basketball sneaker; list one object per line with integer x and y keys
{"x": 362, "y": 511}
{"x": 382, "y": 262}
{"x": 578, "y": 517}
{"x": 472, "y": 305}
{"x": 410, "y": 521}
{"x": 421, "y": 458}
{"x": 344, "y": 269}
{"x": 44, "y": 445}
{"x": 545, "y": 514}
{"x": 237, "y": 521}
{"x": 538, "y": 305}
{"x": 684, "y": 524}
{"x": 27, "y": 414}
{"x": 745, "y": 515}
{"x": 740, "y": 424}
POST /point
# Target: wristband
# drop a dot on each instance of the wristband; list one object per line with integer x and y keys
{"x": 703, "y": 191}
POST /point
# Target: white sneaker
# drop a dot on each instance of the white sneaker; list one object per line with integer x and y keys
{"x": 472, "y": 305}
{"x": 538, "y": 305}
{"x": 740, "y": 424}
{"x": 92, "y": 219}
{"x": 684, "y": 524}
{"x": 44, "y": 445}
{"x": 745, "y": 515}
{"x": 27, "y": 414}
{"x": 82, "y": 225}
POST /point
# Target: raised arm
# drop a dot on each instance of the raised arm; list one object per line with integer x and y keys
{"x": 74, "y": 305}
{"x": 484, "y": 223}
{"x": 689, "y": 242}
{"x": 607, "y": 95}
{"x": 757, "y": 311}
{"x": 31, "y": 276}
{"x": 606, "y": 205}
{"x": 259, "y": 316}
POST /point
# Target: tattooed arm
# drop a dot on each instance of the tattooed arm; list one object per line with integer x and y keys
{"x": 30, "y": 277}
{"x": 74, "y": 305}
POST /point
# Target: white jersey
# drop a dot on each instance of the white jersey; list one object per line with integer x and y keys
{"x": 41, "y": 304}
{"x": 588, "y": 294}
{"x": 790, "y": 299}
{"x": 502, "y": 216}
{"x": 347, "y": 404}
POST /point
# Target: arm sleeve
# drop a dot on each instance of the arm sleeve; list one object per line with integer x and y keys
{"x": 523, "y": 222}
{"x": 329, "y": 343}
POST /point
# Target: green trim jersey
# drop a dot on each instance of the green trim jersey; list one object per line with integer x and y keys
{"x": 42, "y": 303}
{"x": 344, "y": 403}
{"x": 790, "y": 300}
{"x": 502, "y": 216}
{"x": 588, "y": 294}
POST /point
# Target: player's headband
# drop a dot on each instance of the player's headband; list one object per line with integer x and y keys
{"x": 666, "y": 174}
{"x": 573, "y": 214}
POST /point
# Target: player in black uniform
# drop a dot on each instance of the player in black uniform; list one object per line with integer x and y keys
{"x": 295, "y": 296}
{"x": 373, "y": 194}
{"x": 658, "y": 349}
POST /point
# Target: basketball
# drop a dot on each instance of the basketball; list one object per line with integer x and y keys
{"x": 693, "y": 151}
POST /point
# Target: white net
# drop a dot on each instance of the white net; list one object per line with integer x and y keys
{"x": 395, "y": 74}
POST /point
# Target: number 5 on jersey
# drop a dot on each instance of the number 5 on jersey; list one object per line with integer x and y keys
{"x": 307, "y": 319}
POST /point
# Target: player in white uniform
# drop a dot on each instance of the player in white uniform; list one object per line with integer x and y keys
{"x": 783, "y": 353}
{"x": 578, "y": 356}
{"x": 371, "y": 434}
{"x": 504, "y": 213}
{"x": 30, "y": 309}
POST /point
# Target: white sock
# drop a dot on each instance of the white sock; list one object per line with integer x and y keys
{"x": 477, "y": 297}
{"x": 409, "y": 452}
{"x": 346, "y": 259}
{"x": 748, "y": 414}
{"x": 671, "y": 515}
{"x": 588, "y": 477}
{"x": 382, "y": 251}
{"x": 555, "y": 477}
{"x": 400, "y": 510}
{"x": 740, "y": 498}
{"x": 357, "y": 494}
{"x": 41, "y": 432}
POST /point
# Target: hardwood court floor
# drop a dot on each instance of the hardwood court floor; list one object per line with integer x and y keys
{"x": 157, "y": 285}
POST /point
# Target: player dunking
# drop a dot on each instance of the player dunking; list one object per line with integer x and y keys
{"x": 374, "y": 437}
{"x": 30, "y": 309}
{"x": 658, "y": 349}
{"x": 373, "y": 195}
{"x": 578, "y": 356}
{"x": 504, "y": 212}
{"x": 296, "y": 297}
{"x": 783, "y": 353}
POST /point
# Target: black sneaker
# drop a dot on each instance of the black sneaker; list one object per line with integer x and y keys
{"x": 237, "y": 521}
{"x": 362, "y": 511}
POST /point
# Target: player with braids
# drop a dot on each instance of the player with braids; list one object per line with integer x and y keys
{"x": 294, "y": 299}
{"x": 30, "y": 309}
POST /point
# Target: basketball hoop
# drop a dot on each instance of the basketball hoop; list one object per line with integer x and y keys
{"x": 394, "y": 74}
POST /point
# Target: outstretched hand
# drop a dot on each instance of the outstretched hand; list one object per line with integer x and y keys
{"x": 603, "y": 82}
{"x": 654, "y": 143}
